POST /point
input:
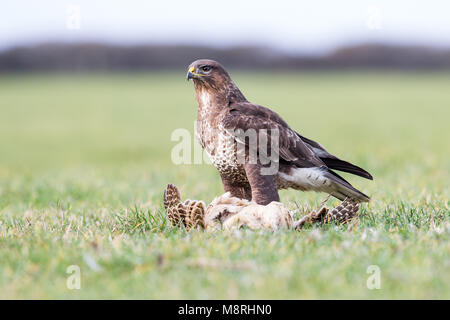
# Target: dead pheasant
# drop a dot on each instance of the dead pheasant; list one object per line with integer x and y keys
{"x": 229, "y": 212}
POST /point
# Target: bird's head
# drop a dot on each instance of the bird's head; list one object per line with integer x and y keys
{"x": 209, "y": 76}
{"x": 207, "y": 72}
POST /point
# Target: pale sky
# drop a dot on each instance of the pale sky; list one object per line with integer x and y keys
{"x": 296, "y": 26}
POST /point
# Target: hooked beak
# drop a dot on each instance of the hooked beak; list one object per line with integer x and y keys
{"x": 190, "y": 74}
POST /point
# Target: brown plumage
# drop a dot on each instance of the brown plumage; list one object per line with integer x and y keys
{"x": 303, "y": 164}
{"x": 189, "y": 213}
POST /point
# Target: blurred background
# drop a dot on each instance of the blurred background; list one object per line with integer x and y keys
{"x": 291, "y": 35}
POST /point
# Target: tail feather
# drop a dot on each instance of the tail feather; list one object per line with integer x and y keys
{"x": 342, "y": 189}
{"x": 341, "y": 165}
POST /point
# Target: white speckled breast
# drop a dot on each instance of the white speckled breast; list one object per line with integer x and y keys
{"x": 222, "y": 151}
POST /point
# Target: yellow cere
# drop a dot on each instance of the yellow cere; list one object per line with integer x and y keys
{"x": 191, "y": 69}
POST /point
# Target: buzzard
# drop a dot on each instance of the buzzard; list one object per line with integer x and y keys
{"x": 302, "y": 164}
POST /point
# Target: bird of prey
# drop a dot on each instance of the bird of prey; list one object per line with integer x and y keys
{"x": 302, "y": 163}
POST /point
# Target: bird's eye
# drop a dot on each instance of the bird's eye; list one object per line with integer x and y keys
{"x": 205, "y": 68}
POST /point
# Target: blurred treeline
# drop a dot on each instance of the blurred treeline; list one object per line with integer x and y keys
{"x": 104, "y": 57}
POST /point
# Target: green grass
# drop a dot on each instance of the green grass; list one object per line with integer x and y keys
{"x": 84, "y": 160}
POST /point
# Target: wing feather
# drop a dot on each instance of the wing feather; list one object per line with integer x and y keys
{"x": 334, "y": 162}
{"x": 245, "y": 116}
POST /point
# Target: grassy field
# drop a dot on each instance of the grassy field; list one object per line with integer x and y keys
{"x": 84, "y": 160}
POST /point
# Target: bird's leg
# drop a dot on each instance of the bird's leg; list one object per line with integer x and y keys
{"x": 237, "y": 190}
{"x": 314, "y": 216}
{"x": 341, "y": 214}
{"x": 264, "y": 187}
{"x": 311, "y": 218}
